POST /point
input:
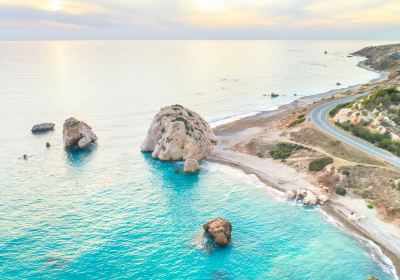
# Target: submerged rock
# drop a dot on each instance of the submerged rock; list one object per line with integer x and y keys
{"x": 77, "y": 134}
{"x": 220, "y": 231}
{"x": 47, "y": 145}
{"x": 42, "y": 127}
{"x": 177, "y": 133}
{"x": 191, "y": 165}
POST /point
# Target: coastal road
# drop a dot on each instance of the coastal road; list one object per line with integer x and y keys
{"x": 319, "y": 116}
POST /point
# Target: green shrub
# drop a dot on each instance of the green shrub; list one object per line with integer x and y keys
{"x": 320, "y": 163}
{"x": 341, "y": 191}
{"x": 260, "y": 154}
{"x": 381, "y": 97}
{"x": 284, "y": 150}
{"x": 382, "y": 140}
{"x": 296, "y": 122}
{"x": 346, "y": 173}
{"x": 301, "y": 116}
{"x": 370, "y": 206}
{"x": 335, "y": 110}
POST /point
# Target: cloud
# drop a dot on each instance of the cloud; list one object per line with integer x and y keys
{"x": 200, "y": 19}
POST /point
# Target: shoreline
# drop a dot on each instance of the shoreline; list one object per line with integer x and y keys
{"x": 336, "y": 212}
{"x": 245, "y": 127}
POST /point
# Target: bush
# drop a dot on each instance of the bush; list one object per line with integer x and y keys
{"x": 296, "y": 122}
{"x": 301, "y": 116}
{"x": 381, "y": 97}
{"x": 335, "y": 110}
{"x": 370, "y": 206}
{"x": 320, "y": 163}
{"x": 382, "y": 140}
{"x": 341, "y": 191}
{"x": 284, "y": 150}
{"x": 346, "y": 173}
{"x": 260, "y": 154}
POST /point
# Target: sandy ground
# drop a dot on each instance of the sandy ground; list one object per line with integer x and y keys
{"x": 283, "y": 177}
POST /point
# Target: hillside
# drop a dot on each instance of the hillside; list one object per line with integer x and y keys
{"x": 382, "y": 58}
{"x": 375, "y": 118}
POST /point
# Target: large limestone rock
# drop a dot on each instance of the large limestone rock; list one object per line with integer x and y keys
{"x": 42, "y": 127}
{"x": 220, "y": 231}
{"x": 177, "y": 133}
{"x": 310, "y": 198}
{"x": 77, "y": 134}
{"x": 191, "y": 165}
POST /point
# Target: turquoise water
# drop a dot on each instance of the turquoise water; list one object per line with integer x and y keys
{"x": 114, "y": 212}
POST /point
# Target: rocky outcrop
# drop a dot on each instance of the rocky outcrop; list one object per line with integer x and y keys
{"x": 77, "y": 134}
{"x": 191, "y": 165}
{"x": 177, "y": 133}
{"x": 219, "y": 230}
{"x": 308, "y": 197}
{"x": 42, "y": 127}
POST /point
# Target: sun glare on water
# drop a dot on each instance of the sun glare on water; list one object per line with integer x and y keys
{"x": 55, "y": 5}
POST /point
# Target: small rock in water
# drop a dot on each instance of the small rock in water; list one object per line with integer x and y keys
{"x": 338, "y": 84}
{"x": 191, "y": 165}
{"x": 325, "y": 52}
{"x": 177, "y": 171}
{"x": 84, "y": 143}
{"x": 25, "y": 157}
{"x": 274, "y": 94}
{"x": 220, "y": 231}
{"x": 77, "y": 134}
{"x": 47, "y": 145}
{"x": 43, "y": 127}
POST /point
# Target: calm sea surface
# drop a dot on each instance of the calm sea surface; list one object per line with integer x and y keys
{"x": 114, "y": 212}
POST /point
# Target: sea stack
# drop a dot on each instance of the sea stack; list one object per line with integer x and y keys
{"x": 220, "y": 230}
{"x": 77, "y": 134}
{"x": 42, "y": 127}
{"x": 177, "y": 133}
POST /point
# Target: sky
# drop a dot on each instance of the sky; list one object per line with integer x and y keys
{"x": 199, "y": 19}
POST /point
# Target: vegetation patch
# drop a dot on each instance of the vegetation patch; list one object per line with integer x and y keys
{"x": 382, "y": 140}
{"x": 296, "y": 122}
{"x": 341, "y": 191}
{"x": 381, "y": 98}
{"x": 369, "y": 206}
{"x": 335, "y": 110}
{"x": 320, "y": 163}
{"x": 284, "y": 150}
{"x": 260, "y": 155}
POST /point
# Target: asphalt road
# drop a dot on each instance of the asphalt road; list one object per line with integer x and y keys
{"x": 319, "y": 117}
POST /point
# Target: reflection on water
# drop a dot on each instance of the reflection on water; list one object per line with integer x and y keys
{"x": 171, "y": 175}
{"x": 78, "y": 157}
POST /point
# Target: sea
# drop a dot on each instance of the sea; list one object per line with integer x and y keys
{"x": 113, "y": 212}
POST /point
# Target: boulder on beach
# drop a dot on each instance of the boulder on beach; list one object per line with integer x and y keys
{"x": 219, "y": 230}
{"x": 191, "y": 165}
{"x": 290, "y": 194}
{"x": 77, "y": 134}
{"x": 310, "y": 198}
{"x": 177, "y": 133}
{"x": 42, "y": 127}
